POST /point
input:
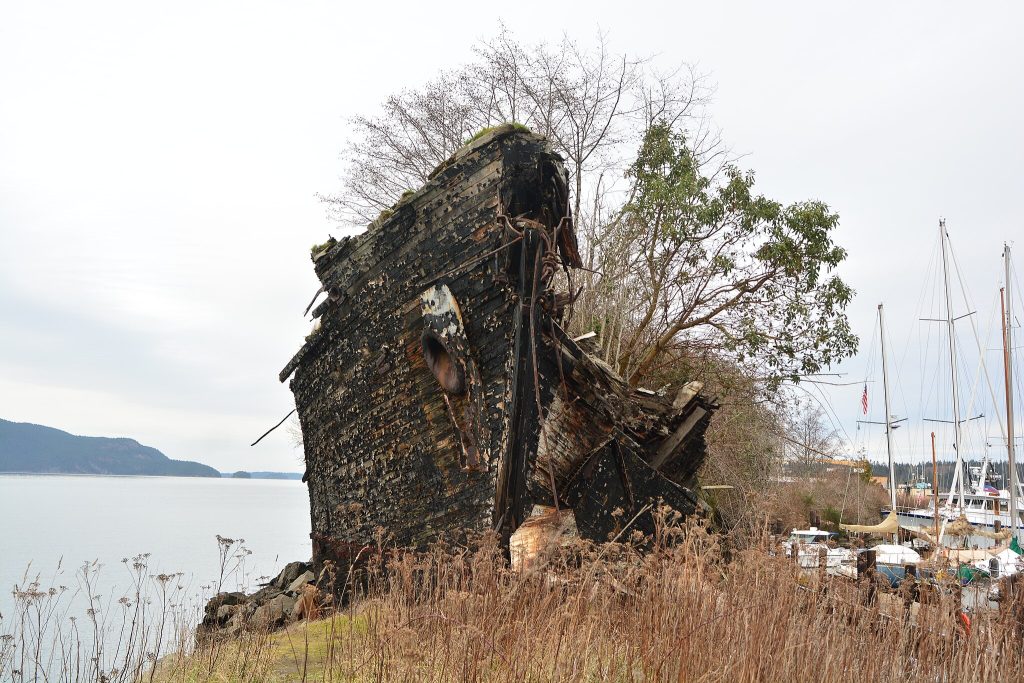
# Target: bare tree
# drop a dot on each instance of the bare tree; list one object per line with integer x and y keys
{"x": 687, "y": 273}
{"x": 593, "y": 104}
{"x": 810, "y": 439}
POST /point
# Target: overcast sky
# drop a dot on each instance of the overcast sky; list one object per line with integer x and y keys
{"x": 159, "y": 165}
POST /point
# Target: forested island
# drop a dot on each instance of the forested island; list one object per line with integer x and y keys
{"x": 36, "y": 449}
{"x": 242, "y": 474}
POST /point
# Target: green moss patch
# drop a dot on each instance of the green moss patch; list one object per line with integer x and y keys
{"x": 511, "y": 126}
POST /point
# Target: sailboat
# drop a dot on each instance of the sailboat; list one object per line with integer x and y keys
{"x": 891, "y": 559}
{"x": 992, "y": 515}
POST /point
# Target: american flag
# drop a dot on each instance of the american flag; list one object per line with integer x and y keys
{"x": 864, "y": 399}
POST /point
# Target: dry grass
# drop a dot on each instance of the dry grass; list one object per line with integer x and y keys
{"x": 682, "y": 612}
{"x": 689, "y": 608}
{"x": 73, "y": 633}
{"x": 833, "y": 496}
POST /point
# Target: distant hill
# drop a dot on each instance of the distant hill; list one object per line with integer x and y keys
{"x": 262, "y": 475}
{"x": 36, "y": 449}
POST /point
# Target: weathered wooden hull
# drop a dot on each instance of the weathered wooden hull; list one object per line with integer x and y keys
{"x": 439, "y": 397}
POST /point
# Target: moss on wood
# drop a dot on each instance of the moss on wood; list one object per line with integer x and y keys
{"x": 323, "y": 246}
{"x": 510, "y": 126}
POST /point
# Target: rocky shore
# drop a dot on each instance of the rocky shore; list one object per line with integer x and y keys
{"x": 290, "y": 596}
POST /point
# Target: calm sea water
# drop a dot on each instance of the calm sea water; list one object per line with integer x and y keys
{"x": 51, "y": 524}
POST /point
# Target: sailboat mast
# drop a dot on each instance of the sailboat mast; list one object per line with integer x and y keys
{"x": 958, "y": 475}
{"x": 888, "y": 414}
{"x": 1008, "y": 373}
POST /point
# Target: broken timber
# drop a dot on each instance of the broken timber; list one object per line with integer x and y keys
{"x": 439, "y": 394}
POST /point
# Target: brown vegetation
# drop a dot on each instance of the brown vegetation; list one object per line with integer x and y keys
{"x": 689, "y": 608}
{"x": 833, "y": 494}
{"x": 686, "y": 611}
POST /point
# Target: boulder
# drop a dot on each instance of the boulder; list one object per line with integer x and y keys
{"x": 226, "y": 612}
{"x": 221, "y": 608}
{"x": 268, "y": 592}
{"x": 235, "y": 598}
{"x": 274, "y": 613}
{"x": 296, "y": 585}
{"x": 291, "y": 571}
{"x": 271, "y": 607}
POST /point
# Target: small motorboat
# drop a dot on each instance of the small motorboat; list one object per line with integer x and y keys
{"x": 810, "y": 542}
{"x": 891, "y": 561}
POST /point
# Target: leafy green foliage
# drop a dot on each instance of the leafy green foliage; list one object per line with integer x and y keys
{"x": 832, "y": 517}
{"x": 722, "y": 267}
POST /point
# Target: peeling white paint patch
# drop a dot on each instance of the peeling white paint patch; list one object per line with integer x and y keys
{"x": 438, "y": 301}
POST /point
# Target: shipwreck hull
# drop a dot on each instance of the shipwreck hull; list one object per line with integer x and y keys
{"x": 438, "y": 395}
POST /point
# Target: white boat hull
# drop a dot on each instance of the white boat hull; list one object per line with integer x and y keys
{"x": 924, "y": 518}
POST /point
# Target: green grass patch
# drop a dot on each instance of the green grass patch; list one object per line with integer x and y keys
{"x": 303, "y": 651}
{"x": 323, "y": 246}
{"x": 511, "y": 125}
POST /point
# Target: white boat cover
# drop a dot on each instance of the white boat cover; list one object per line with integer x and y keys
{"x": 1009, "y": 562}
{"x": 958, "y": 556}
{"x": 810, "y": 554}
{"x": 895, "y": 554}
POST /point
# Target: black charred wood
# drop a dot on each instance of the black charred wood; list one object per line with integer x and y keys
{"x": 440, "y": 397}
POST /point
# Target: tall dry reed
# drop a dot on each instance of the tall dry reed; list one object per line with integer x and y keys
{"x": 684, "y": 610}
{"x": 72, "y": 633}
{"x": 685, "y": 606}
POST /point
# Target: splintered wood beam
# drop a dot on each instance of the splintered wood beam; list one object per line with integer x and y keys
{"x": 672, "y": 443}
{"x": 687, "y": 394}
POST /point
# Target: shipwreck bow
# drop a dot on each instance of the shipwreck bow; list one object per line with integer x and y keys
{"x": 439, "y": 394}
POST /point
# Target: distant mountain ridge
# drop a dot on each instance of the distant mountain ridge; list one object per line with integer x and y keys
{"x": 36, "y": 449}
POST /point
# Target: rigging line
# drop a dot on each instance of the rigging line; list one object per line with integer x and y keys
{"x": 925, "y": 332}
{"x": 834, "y": 414}
{"x": 974, "y": 384}
{"x": 977, "y": 340}
{"x": 1018, "y": 377}
{"x": 901, "y": 363}
{"x": 967, "y": 431}
{"x": 835, "y": 384}
{"x": 938, "y": 368}
{"x": 918, "y": 308}
{"x": 995, "y": 307}
{"x": 900, "y": 397}
{"x": 868, "y": 373}
{"x": 1016, "y": 282}
{"x": 846, "y": 490}
{"x": 888, "y": 419}
{"x": 806, "y": 447}
{"x": 824, "y": 409}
